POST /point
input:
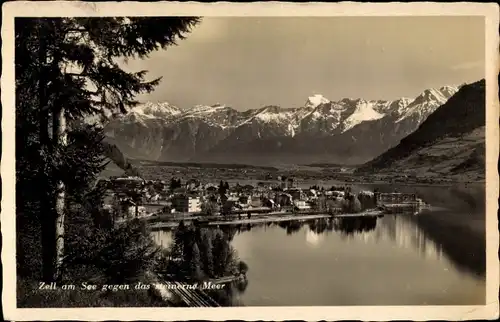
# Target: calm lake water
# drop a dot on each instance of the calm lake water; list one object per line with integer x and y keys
{"x": 435, "y": 258}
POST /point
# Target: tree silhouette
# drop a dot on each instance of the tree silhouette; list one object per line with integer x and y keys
{"x": 195, "y": 263}
{"x": 66, "y": 71}
{"x": 243, "y": 267}
{"x": 175, "y": 183}
{"x": 209, "y": 208}
{"x": 202, "y": 253}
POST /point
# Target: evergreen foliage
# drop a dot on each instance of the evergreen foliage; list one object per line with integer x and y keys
{"x": 175, "y": 183}
{"x": 201, "y": 253}
{"x": 67, "y": 70}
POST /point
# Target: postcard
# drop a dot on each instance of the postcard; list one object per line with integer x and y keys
{"x": 250, "y": 161}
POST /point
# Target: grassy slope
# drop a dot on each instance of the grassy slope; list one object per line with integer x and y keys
{"x": 461, "y": 157}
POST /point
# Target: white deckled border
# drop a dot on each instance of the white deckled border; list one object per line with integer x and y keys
{"x": 69, "y": 8}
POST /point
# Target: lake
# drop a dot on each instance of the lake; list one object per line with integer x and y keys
{"x": 434, "y": 258}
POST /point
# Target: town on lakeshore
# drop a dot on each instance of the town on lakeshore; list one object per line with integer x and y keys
{"x": 160, "y": 201}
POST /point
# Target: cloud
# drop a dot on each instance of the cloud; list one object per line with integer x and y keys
{"x": 468, "y": 65}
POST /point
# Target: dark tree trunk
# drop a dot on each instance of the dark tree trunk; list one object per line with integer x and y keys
{"x": 46, "y": 209}
{"x": 60, "y": 141}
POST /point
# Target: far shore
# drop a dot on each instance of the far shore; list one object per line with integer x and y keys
{"x": 440, "y": 184}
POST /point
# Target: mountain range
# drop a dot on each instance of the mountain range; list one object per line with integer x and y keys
{"x": 349, "y": 131}
{"x": 450, "y": 142}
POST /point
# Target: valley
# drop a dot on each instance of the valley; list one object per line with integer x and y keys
{"x": 304, "y": 175}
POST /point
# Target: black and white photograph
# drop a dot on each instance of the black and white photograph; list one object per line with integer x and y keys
{"x": 201, "y": 156}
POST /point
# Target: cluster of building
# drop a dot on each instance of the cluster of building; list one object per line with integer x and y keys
{"x": 136, "y": 197}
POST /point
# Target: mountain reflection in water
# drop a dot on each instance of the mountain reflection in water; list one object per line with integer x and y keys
{"x": 391, "y": 260}
{"x": 403, "y": 230}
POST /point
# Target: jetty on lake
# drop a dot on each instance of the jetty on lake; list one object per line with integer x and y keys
{"x": 394, "y": 202}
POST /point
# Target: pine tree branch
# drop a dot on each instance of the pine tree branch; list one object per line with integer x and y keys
{"x": 77, "y": 30}
{"x": 77, "y": 75}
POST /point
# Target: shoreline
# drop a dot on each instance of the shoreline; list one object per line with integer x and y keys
{"x": 440, "y": 184}
{"x": 266, "y": 219}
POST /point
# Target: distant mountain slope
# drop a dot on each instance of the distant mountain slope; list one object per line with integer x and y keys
{"x": 451, "y": 141}
{"x": 345, "y": 131}
{"x": 118, "y": 161}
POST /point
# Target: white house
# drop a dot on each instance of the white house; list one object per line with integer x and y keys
{"x": 141, "y": 211}
{"x": 255, "y": 202}
{"x": 183, "y": 203}
{"x": 367, "y": 193}
{"x": 338, "y": 193}
{"x": 194, "y": 204}
{"x": 301, "y": 204}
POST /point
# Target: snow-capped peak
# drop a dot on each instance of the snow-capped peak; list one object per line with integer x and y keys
{"x": 448, "y": 91}
{"x": 204, "y": 109}
{"x": 155, "y": 110}
{"x": 316, "y": 100}
{"x": 318, "y": 115}
{"x": 273, "y": 113}
{"x": 363, "y": 112}
{"x": 441, "y": 94}
{"x": 402, "y": 104}
{"x": 434, "y": 93}
{"x": 427, "y": 102}
{"x": 405, "y": 100}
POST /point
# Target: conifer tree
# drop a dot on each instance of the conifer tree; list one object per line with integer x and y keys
{"x": 195, "y": 264}
{"x": 207, "y": 260}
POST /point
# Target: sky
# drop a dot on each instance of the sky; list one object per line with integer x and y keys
{"x": 250, "y": 62}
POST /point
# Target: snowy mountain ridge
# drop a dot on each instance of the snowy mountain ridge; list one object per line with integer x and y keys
{"x": 317, "y": 107}
{"x": 162, "y": 131}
